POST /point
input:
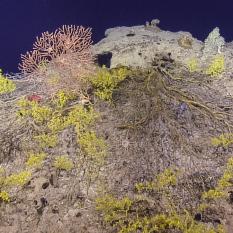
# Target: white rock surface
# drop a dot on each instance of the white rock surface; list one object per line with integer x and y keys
{"x": 147, "y": 41}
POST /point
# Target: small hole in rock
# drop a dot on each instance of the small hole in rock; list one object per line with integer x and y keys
{"x": 55, "y": 210}
{"x": 104, "y": 59}
{"x": 45, "y": 185}
{"x": 231, "y": 196}
{"x": 130, "y": 34}
{"x": 217, "y": 221}
{"x": 198, "y": 217}
{"x": 51, "y": 179}
{"x": 78, "y": 214}
{"x": 44, "y": 202}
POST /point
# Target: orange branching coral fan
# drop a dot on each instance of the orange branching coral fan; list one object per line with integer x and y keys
{"x": 48, "y": 45}
{"x": 75, "y": 39}
{"x": 60, "y": 58}
{"x": 30, "y": 61}
{"x": 65, "y": 40}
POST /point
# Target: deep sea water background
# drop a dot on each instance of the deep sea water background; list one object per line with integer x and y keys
{"x": 21, "y": 21}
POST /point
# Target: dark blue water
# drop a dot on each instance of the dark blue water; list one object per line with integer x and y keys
{"x": 22, "y": 20}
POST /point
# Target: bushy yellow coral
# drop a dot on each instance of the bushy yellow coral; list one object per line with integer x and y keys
{"x": 213, "y": 194}
{"x": 223, "y": 140}
{"x": 63, "y": 163}
{"x": 6, "y": 85}
{"x": 105, "y": 81}
{"x": 78, "y": 116}
{"x": 56, "y": 123}
{"x": 62, "y": 97}
{"x": 81, "y": 117}
{"x": 223, "y": 183}
{"x": 35, "y": 160}
{"x": 161, "y": 222}
{"x": 55, "y": 119}
{"x": 113, "y": 208}
{"x": 4, "y": 196}
{"x": 230, "y": 163}
{"x": 46, "y": 140}
{"x": 33, "y": 109}
{"x": 147, "y": 186}
{"x": 93, "y": 146}
{"x": 116, "y": 213}
{"x": 227, "y": 177}
{"x": 18, "y": 179}
{"x": 166, "y": 178}
{"x": 40, "y": 113}
{"x": 217, "y": 66}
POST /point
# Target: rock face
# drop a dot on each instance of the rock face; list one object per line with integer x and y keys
{"x": 136, "y": 46}
{"x": 158, "y": 120}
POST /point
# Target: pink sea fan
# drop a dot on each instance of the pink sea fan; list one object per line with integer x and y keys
{"x": 67, "y": 39}
{"x": 66, "y": 52}
{"x": 74, "y": 38}
{"x": 31, "y": 61}
{"x": 48, "y": 45}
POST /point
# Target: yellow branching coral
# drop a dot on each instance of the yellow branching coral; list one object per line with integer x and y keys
{"x": 106, "y": 81}
{"x": 32, "y": 109}
{"x": 4, "y": 196}
{"x": 93, "y": 146}
{"x": 6, "y": 85}
{"x": 223, "y": 183}
{"x": 116, "y": 213}
{"x": 223, "y": 140}
{"x": 40, "y": 113}
{"x": 18, "y": 179}
{"x": 217, "y": 66}
{"x": 46, "y": 140}
{"x": 56, "y": 123}
{"x": 113, "y": 208}
{"x": 213, "y": 194}
{"x": 81, "y": 117}
{"x": 166, "y": 178}
{"x": 227, "y": 177}
{"x": 35, "y": 160}
{"x": 61, "y": 98}
{"x": 63, "y": 163}
{"x": 147, "y": 186}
